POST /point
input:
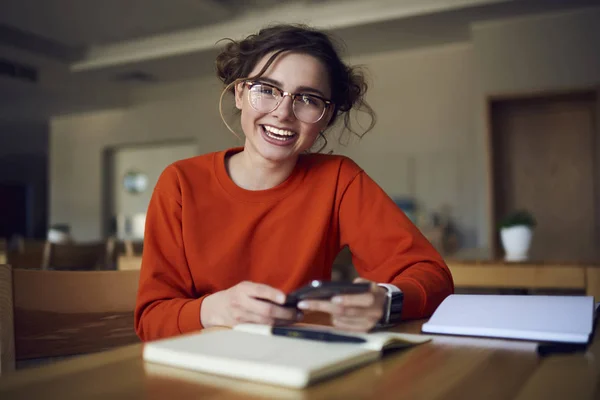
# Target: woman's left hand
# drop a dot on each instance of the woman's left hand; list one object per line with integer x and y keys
{"x": 352, "y": 312}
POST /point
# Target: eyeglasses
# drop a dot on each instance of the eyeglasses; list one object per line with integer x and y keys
{"x": 265, "y": 98}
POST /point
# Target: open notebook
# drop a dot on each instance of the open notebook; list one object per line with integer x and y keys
{"x": 566, "y": 319}
{"x": 251, "y": 352}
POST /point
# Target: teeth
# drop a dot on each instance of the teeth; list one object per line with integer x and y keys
{"x": 273, "y": 136}
{"x": 277, "y": 131}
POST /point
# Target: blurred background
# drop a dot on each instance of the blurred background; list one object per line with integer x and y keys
{"x": 484, "y": 107}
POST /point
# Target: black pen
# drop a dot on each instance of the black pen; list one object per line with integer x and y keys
{"x": 312, "y": 334}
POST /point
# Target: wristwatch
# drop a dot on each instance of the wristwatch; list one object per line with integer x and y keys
{"x": 393, "y": 309}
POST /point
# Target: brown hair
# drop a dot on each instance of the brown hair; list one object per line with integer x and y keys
{"x": 348, "y": 86}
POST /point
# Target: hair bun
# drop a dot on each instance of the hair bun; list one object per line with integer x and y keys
{"x": 230, "y": 62}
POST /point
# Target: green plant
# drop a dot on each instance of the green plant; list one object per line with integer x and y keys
{"x": 519, "y": 217}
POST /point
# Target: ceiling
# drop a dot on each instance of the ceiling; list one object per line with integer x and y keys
{"x": 79, "y": 23}
{"x": 91, "y": 35}
{"x": 78, "y": 43}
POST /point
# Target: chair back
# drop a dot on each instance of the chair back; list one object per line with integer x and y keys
{"x": 3, "y": 250}
{"x": 62, "y": 313}
{"x": 130, "y": 248}
{"x": 31, "y": 254}
{"x": 80, "y": 256}
{"x": 129, "y": 255}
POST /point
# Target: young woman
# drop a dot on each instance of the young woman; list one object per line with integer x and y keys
{"x": 227, "y": 230}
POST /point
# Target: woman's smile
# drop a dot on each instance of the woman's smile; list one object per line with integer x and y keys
{"x": 278, "y": 136}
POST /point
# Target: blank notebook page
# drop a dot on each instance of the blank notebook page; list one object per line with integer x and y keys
{"x": 273, "y": 359}
{"x": 545, "y": 318}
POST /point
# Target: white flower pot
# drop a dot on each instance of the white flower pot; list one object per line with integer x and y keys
{"x": 516, "y": 241}
{"x": 56, "y": 236}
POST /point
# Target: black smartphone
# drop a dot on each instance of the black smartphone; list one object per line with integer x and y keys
{"x": 321, "y": 290}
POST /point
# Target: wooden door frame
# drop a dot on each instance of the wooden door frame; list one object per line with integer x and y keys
{"x": 489, "y": 100}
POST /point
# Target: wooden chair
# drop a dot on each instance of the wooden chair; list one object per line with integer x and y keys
{"x": 7, "y": 343}
{"x": 62, "y": 256}
{"x": 129, "y": 255}
{"x": 64, "y": 313}
{"x": 31, "y": 254}
{"x": 3, "y": 250}
{"x": 80, "y": 256}
{"x": 130, "y": 248}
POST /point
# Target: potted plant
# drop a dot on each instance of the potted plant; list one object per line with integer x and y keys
{"x": 516, "y": 230}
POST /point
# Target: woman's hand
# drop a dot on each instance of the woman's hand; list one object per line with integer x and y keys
{"x": 242, "y": 303}
{"x": 352, "y": 312}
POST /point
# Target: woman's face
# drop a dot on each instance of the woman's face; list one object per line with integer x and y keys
{"x": 279, "y": 136}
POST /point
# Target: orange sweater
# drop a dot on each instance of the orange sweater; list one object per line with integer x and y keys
{"x": 205, "y": 234}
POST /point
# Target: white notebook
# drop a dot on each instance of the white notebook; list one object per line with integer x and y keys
{"x": 250, "y": 352}
{"x": 541, "y": 318}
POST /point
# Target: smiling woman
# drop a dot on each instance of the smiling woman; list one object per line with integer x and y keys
{"x": 279, "y": 124}
{"x": 227, "y": 230}
{"x": 250, "y": 62}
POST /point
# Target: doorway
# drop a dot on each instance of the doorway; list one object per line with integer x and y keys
{"x": 131, "y": 172}
{"x": 544, "y": 154}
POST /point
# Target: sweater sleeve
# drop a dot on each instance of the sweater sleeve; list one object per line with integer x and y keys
{"x": 388, "y": 248}
{"x": 167, "y": 304}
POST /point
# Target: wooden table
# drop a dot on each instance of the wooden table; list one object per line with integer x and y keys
{"x": 446, "y": 368}
{"x": 526, "y": 275}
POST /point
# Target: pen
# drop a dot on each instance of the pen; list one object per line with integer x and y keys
{"x": 312, "y": 334}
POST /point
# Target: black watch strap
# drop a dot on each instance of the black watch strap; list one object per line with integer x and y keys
{"x": 395, "y": 312}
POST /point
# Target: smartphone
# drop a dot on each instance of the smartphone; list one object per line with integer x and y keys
{"x": 321, "y": 290}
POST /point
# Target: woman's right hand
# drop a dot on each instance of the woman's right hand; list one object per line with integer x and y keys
{"x": 242, "y": 303}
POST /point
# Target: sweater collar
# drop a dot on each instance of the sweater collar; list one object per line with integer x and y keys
{"x": 256, "y": 196}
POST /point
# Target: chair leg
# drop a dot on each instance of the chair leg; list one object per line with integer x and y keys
{"x": 47, "y": 255}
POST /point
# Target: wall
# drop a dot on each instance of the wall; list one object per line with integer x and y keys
{"x": 529, "y": 55}
{"x": 24, "y": 160}
{"x": 422, "y": 145}
{"x": 163, "y": 113}
{"x": 129, "y": 208}
{"x": 545, "y": 52}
